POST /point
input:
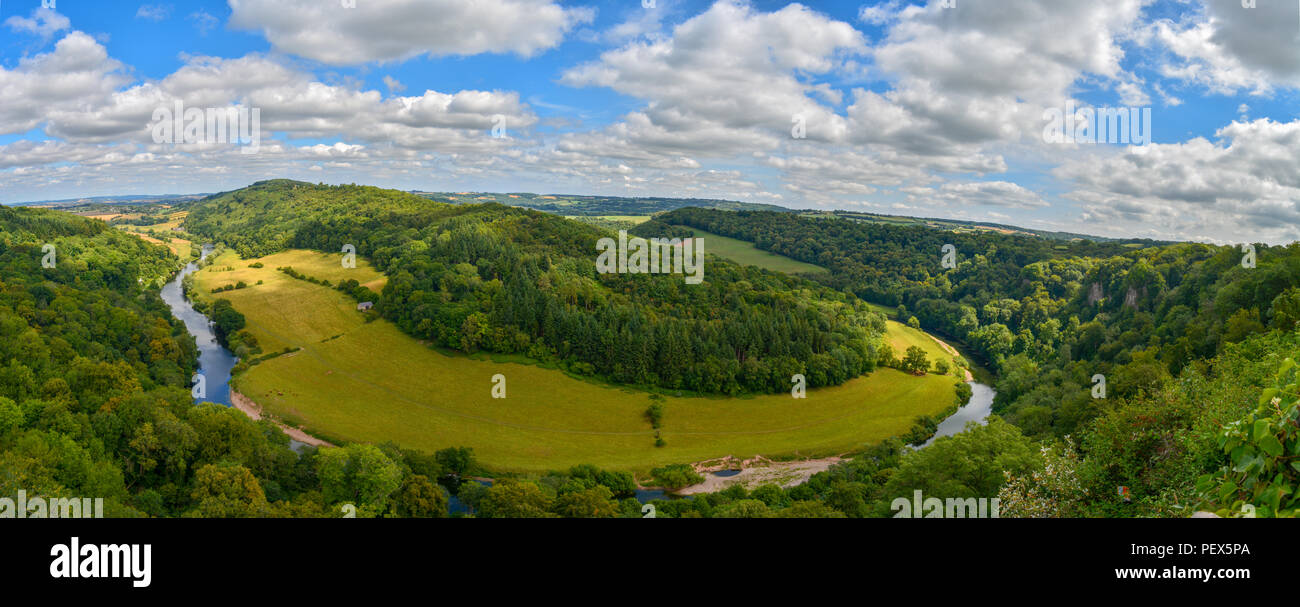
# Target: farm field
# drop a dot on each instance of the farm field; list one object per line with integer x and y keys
{"x": 364, "y": 381}
{"x": 633, "y": 219}
{"x": 901, "y": 337}
{"x": 179, "y": 246}
{"x": 744, "y": 252}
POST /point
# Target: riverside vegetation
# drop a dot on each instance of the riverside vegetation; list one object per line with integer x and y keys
{"x": 1197, "y": 351}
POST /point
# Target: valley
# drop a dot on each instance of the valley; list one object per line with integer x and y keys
{"x": 494, "y": 351}
{"x": 353, "y": 379}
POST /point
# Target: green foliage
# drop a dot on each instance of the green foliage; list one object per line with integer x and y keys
{"x": 418, "y": 497}
{"x": 655, "y": 414}
{"x": 1045, "y": 314}
{"x": 510, "y": 498}
{"x": 361, "y": 475}
{"x": 1053, "y": 491}
{"x": 596, "y": 502}
{"x": 228, "y": 491}
{"x": 1284, "y": 312}
{"x": 1263, "y": 453}
{"x": 511, "y": 281}
{"x": 227, "y": 319}
{"x": 973, "y": 463}
{"x": 915, "y": 361}
{"x": 676, "y": 476}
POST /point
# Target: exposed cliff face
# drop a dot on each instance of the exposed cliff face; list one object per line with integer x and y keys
{"x": 1095, "y": 294}
{"x": 1132, "y": 296}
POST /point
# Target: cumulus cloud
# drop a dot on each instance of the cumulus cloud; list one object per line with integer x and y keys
{"x": 981, "y": 193}
{"x": 727, "y": 77}
{"x": 1225, "y": 47}
{"x": 395, "y": 30}
{"x": 1244, "y": 186}
{"x": 932, "y": 118}
{"x": 44, "y": 22}
{"x": 981, "y": 73}
{"x": 727, "y": 83}
{"x": 76, "y": 73}
{"x": 75, "y": 91}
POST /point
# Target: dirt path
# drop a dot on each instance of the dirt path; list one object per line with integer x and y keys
{"x": 253, "y": 410}
{"x": 952, "y": 352}
{"x": 756, "y": 472}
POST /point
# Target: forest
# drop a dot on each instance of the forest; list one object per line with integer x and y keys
{"x": 504, "y": 280}
{"x": 1076, "y": 333}
{"x": 1196, "y": 346}
{"x": 95, "y": 398}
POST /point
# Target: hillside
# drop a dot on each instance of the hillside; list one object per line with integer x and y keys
{"x": 1073, "y": 330}
{"x": 486, "y": 277}
{"x": 596, "y": 206}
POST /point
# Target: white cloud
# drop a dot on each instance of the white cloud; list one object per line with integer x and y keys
{"x": 44, "y": 22}
{"x": 1226, "y": 48}
{"x": 983, "y": 72}
{"x": 153, "y": 12}
{"x": 76, "y": 73}
{"x": 395, "y": 30}
{"x": 925, "y": 121}
{"x": 725, "y": 82}
{"x": 981, "y": 193}
{"x": 204, "y": 21}
{"x": 1243, "y": 187}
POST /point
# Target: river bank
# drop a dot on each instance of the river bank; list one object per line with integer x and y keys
{"x": 215, "y": 361}
{"x": 760, "y": 471}
{"x": 253, "y": 410}
{"x": 725, "y": 472}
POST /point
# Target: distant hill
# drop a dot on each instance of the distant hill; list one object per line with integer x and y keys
{"x": 487, "y": 277}
{"x": 573, "y": 205}
{"x": 958, "y": 225}
{"x": 614, "y": 206}
{"x": 130, "y": 199}
{"x": 596, "y": 206}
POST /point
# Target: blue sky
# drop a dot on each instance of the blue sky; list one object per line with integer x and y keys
{"x": 906, "y": 107}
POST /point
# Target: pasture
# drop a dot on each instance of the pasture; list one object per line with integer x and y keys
{"x": 744, "y": 252}
{"x": 360, "y": 380}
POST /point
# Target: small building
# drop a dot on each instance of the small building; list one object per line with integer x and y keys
{"x": 365, "y": 306}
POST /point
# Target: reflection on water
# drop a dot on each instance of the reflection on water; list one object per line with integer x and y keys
{"x": 977, "y": 410}
{"x": 215, "y": 362}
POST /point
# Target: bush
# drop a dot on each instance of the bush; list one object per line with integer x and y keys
{"x": 655, "y": 414}
{"x": 676, "y": 476}
{"x": 1261, "y": 473}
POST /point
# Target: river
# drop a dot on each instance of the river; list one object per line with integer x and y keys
{"x": 215, "y": 362}
{"x": 977, "y": 410}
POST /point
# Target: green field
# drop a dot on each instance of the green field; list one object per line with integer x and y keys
{"x": 178, "y": 246}
{"x": 367, "y": 381}
{"x": 887, "y": 311}
{"x": 901, "y": 337}
{"x": 632, "y": 219}
{"x": 744, "y": 252}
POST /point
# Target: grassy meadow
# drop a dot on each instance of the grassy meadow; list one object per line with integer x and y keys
{"x": 364, "y": 381}
{"x": 898, "y": 335}
{"x": 180, "y": 247}
{"x": 901, "y": 337}
{"x": 745, "y": 252}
